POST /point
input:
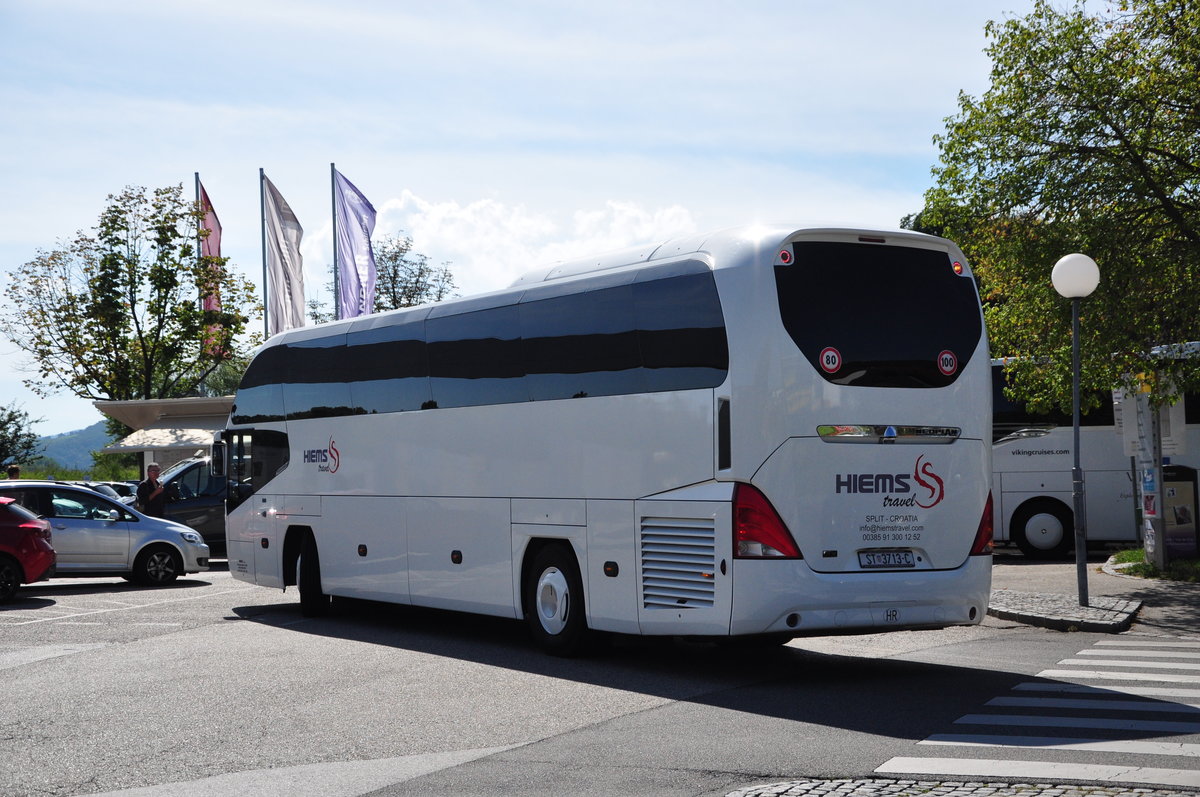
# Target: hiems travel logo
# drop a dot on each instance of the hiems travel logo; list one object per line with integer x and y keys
{"x": 927, "y": 493}
{"x": 327, "y": 460}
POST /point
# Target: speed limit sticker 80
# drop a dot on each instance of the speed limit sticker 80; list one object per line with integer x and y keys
{"x": 831, "y": 360}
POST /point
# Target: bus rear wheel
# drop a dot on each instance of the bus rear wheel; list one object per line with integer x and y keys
{"x": 1043, "y": 529}
{"x": 554, "y": 608}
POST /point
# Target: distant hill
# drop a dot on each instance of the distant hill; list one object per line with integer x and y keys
{"x": 74, "y": 449}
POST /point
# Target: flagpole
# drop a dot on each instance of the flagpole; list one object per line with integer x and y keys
{"x": 337, "y": 296}
{"x": 198, "y": 202}
{"x": 262, "y": 214}
{"x": 199, "y": 227}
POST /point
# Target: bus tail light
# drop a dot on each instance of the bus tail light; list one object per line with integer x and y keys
{"x": 983, "y": 537}
{"x": 758, "y": 531}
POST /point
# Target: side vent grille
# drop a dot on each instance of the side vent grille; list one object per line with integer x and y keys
{"x": 678, "y": 562}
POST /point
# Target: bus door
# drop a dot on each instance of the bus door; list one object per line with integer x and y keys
{"x": 255, "y": 458}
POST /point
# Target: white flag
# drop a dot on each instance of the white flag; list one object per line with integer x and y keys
{"x": 355, "y": 222}
{"x": 285, "y": 267}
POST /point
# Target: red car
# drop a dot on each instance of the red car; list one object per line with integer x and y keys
{"x": 26, "y": 554}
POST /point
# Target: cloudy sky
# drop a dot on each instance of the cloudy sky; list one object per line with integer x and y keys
{"x": 500, "y": 135}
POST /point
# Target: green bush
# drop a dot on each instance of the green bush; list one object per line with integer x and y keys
{"x": 1177, "y": 569}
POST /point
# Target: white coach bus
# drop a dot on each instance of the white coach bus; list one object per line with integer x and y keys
{"x": 753, "y": 433}
{"x": 1032, "y": 459}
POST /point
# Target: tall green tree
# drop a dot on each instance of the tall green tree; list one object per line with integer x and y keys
{"x": 116, "y": 315}
{"x": 18, "y": 443}
{"x": 1088, "y": 139}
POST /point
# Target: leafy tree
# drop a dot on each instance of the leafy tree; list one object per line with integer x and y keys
{"x": 117, "y": 315}
{"x": 18, "y": 443}
{"x": 1088, "y": 139}
{"x": 403, "y": 278}
{"x": 224, "y": 379}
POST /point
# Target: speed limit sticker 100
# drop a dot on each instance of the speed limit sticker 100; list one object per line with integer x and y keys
{"x": 947, "y": 363}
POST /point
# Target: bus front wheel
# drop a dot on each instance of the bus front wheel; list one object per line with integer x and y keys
{"x": 1043, "y": 529}
{"x": 313, "y": 600}
{"x": 554, "y": 602}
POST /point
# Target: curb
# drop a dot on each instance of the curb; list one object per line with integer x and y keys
{"x": 1063, "y": 612}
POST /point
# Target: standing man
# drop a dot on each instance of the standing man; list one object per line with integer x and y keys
{"x": 151, "y": 496}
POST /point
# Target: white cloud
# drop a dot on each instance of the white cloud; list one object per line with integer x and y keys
{"x": 489, "y": 243}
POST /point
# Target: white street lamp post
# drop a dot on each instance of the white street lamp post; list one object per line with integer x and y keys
{"x": 1075, "y": 276}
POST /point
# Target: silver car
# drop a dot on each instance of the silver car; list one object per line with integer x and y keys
{"x": 94, "y": 534}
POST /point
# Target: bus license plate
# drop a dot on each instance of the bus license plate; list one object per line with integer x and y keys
{"x": 886, "y": 559}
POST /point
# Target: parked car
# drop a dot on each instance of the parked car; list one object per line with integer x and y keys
{"x": 94, "y": 534}
{"x": 106, "y": 488}
{"x": 26, "y": 554}
{"x": 196, "y": 498}
{"x": 123, "y": 489}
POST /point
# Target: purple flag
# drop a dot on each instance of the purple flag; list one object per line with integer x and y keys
{"x": 355, "y": 221}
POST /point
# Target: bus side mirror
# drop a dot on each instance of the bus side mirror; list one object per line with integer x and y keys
{"x": 216, "y": 462}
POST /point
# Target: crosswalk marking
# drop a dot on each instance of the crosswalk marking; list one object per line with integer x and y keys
{"x": 1141, "y": 643}
{"x": 1187, "y": 749}
{"x": 1153, "y": 665}
{"x": 1113, "y": 723}
{"x": 1158, "y": 654}
{"x": 1146, "y": 691}
{"x": 1106, "y": 705}
{"x": 1120, "y": 676}
{"x": 1117, "y": 691}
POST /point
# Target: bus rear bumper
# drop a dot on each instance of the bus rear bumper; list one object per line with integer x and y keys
{"x": 793, "y": 599}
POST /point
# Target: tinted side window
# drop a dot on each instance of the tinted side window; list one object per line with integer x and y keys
{"x": 663, "y": 331}
{"x": 1011, "y": 416}
{"x": 256, "y": 456}
{"x": 681, "y": 332}
{"x": 29, "y": 498}
{"x": 318, "y": 381}
{"x": 582, "y": 344}
{"x": 475, "y": 358}
{"x": 393, "y": 366}
{"x": 79, "y": 506}
{"x": 189, "y": 482}
{"x": 260, "y": 394}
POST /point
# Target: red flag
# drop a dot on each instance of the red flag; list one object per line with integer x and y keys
{"x": 210, "y": 246}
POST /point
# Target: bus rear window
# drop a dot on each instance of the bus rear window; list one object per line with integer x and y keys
{"x": 879, "y": 316}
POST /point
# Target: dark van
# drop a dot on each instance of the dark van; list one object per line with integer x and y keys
{"x": 196, "y": 498}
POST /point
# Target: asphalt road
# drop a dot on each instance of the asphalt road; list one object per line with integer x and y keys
{"x": 217, "y": 687}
